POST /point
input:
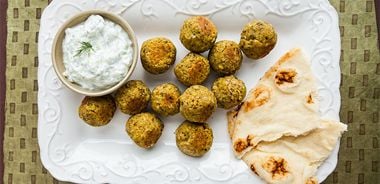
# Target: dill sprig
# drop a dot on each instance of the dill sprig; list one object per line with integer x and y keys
{"x": 85, "y": 47}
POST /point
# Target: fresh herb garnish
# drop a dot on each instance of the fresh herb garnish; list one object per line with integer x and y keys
{"x": 85, "y": 47}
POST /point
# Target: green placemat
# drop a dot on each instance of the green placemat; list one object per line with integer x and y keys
{"x": 22, "y": 163}
{"x": 359, "y": 154}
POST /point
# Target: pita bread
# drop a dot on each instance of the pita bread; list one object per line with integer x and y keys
{"x": 277, "y": 130}
{"x": 295, "y": 159}
{"x": 282, "y": 104}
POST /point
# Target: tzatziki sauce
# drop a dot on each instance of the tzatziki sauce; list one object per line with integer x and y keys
{"x": 97, "y": 53}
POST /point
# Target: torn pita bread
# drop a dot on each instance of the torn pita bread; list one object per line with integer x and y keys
{"x": 283, "y": 103}
{"x": 295, "y": 159}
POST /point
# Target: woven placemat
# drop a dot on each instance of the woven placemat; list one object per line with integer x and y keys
{"x": 22, "y": 164}
{"x": 359, "y": 154}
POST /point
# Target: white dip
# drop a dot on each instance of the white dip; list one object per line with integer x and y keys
{"x": 96, "y": 53}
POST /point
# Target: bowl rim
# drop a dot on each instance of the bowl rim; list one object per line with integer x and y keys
{"x": 131, "y": 35}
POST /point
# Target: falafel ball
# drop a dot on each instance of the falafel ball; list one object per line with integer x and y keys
{"x": 198, "y": 34}
{"x": 229, "y": 91}
{"x": 257, "y": 39}
{"x": 144, "y": 129}
{"x": 193, "y": 69}
{"x": 165, "y": 99}
{"x": 97, "y": 111}
{"x": 225, "y": 57}
{"x": 194, "y": 139}
{"x": 157, "y": 55}
{"x": 197, "y": 103}
{"x": 133, "y": 97}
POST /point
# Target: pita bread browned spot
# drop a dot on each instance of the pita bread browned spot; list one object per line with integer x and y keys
{"x": 312, "y": 180}
{"x": 277, "y": 166}
{"x": 259, "y": 97}
{"x": 285, "y": 76}
{"x": 309, "y": 99}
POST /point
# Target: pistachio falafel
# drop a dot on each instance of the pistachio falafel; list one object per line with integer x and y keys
{"x": 257, "y": 39}
{"x": 197, "y": 103}
{"x": 157, "y": 55}
{"x": 225, "y": 57}
{"x": 97, "y": 111}
{"x": 165, "y": 99}
{"x": 192, "y": 70}
{"x": 144, "y": 129}
{"x": 194, "y": 139}
{"x": 198, "y": 34}
{"x": 133, "y": 97}
{"x": 229, "y": 91}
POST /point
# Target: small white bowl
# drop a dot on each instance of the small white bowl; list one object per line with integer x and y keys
{"x": 57, "y": 53}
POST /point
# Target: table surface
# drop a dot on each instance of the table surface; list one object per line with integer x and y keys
{"x": 359, "y": 157}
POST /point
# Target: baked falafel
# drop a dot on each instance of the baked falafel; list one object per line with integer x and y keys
{"x": 197, "y": 103}
{"x": 257, "y": 39}
{"x": 194, "y": 139}
{"x": 144, "y": 129}
{"x": 229, "y": 91}
{"x": 133, "y": 97}
{"x": 225, "y": 57}
{"x": 157, "y": 55}
{"x": 97, "y": 111}
{"x": 165, "y": 99}
{"x": 192, "y": 70}
{"x": 198, "y": 34}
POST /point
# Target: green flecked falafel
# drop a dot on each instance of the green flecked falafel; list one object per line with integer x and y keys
{"x": 194, "y": 139}
{"x": 225, "y": 57}
{"x": 165, "y": 99}
{"x": 229, "y": 91}
{"x": 144, "y": 129}
{"x": 157, "y": 55}
{"x": 97, "y": 111}
{"x": 133, "y": 97}
{"x": 257, "y": 39}
{"x": 198, "y": 34}
{"x": 192, "y": 70}
{"x": 197, "y": 103}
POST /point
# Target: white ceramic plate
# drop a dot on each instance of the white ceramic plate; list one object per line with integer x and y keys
{"x": 73, "y": 151}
